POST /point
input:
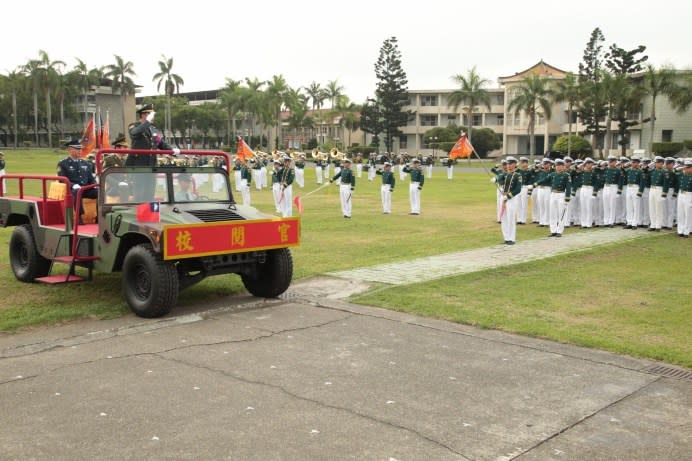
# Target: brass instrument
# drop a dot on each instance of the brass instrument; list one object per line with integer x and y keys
{"x": 335, "y": 154}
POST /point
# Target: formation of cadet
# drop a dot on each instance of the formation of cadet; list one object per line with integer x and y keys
{"x": 631, "y": 192}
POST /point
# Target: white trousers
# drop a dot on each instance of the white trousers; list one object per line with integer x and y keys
{"x": 346, "y": 200}
{"x": 263, "y": 176}
{"x": 371, "y": 172}
{"x": 429, "y": 168}
{"x": 620, "y": 208}
{"x": 644, "y": 219}
{"x": 610, "y": 193}
{"x": 359, "y": 169}
{"x": 633, "y": 204}
{"x": 237, "y": 180}
{"x": 256, "y": 179}
{"x": 450, "y": 172}
{"x": 245, "y": 191}
{"x": 386, "y": 195}
{"x": 558, "y": 212}
{"x": 326, "y": 171}
{"x": 414, "y": 197}
{"x": 498, "y": 201}
{"x": 336, "y": 171}
{"x": 318, "y": 174}
{"x": 402, "y": 173}
{"x": 574, "y": 207}
{"x": 276, "y": 193}
{"x": 598, "y": 208}
{"x": 685, "y": 213}
{"x": 286, "y": 201}
{"x": 508, "y": 223}
{"x": 671, "y": 209}
{"x": 3, "y": 186}
{"x": 656, "y": 204}
{"x": 586, "y": 202}
{"x": 543, "y": 205}
{"x": 535, "y": 213}
{"x": 300, "y": 177}
{"x": 523, "y": 204}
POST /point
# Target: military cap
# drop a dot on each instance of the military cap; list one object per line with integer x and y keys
{"x": 559, "y": 162}
{"x": 523, "y": 159}
{"x": 688, "y": 162}
{"x": 670, "y": 160}
{"x": 646, "y": 160}
{"x": 536, "y": 162}
{"x": 547, "y": 160}
{"x": 602, "y": 163}
{"x": 74, "y": 143}
{"x": 504, "y": 161}
{"x": 286, "y": 158}
{"x": 578, "y": 161}
{"x": 588, "y": 160}
{"x": 346, "y": 160}
{"x": 277, "y": 161}
{"x": 120, "y": 141}
{"x": 415, "y": 160}
{"x": 612, "y": 158}
{"x": 146, "y": 108}
{"x": 624, "y": 159}
{"x": 387, "y": 164}
{"x": 636, "y": 160}
{"x": 511, "y": 159}
{"x": 568, "y": 159}
{"x": 184, "y": 177}
{"x": 2, "y": 154}
{"x": 658, "y": 158}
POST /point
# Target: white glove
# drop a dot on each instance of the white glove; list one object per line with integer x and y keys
{"x": 493, "y": 180}
{"x": 75, "y": 186}
{"x": 176, "y": 151}
{"x": 150, "y": 116}
{"x": 530, "y": 186}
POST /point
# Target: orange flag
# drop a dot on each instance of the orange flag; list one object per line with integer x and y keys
{"x": 88, "y": 138}
{"x": 106, "y": 133}
{"x": 298, "y": 203}
{"x": 462, "y": 148}
{"x": 243, "y": 152}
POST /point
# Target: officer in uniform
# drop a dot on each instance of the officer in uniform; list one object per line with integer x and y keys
{"x": 541, "y": 185}
{"x": 276, "y": 185}
{"x": 450, "y": 167}
{"x": 657, "y": 194}
{"x": 300, "y": 170}
{"x": 500, "y": 171}
{"x": 429, "y": 165}
{"x": 359, "y": 166}
{"x": 417, "y": 181}
{"x": 372, "y": 166}
{"x": 526, "y": 181}
{"x": 319, "y": 165}
{"x": 388, "y": 183}
{"x": 78, "y": 171}
{"x": 245, "y": 181}
{"x": 587, "y": 180}
{"x": 144, "y": 135}
{"x": 644, "y": 219}
{"x": 510, "y": 188}
{"x": 634, "y": 187}
{"x": 236, "y": 174}
{"x": 346, "y": 186}
{"x": 560, "y": 194}
{"x": 287, "y": 176}
{"x": 256, "y": 164}
{"x": 612, "y": 187}
{"x": 685, "y": 200}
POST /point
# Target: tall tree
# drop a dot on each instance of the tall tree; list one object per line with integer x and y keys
{"x": 471, "y": 92}
{"x": 657, "y": 82}
{"x": 254, "y": 101}
{"x": 316, "y": 94}
{"x": 232, "y": 97}
{"x": 567, "y": 90}
{"x": 333, "y": 92}
{"x": 592, "y": 107}
{"x": 171, "y": 85}
{"x": 32, "y": 70}
{"x": 372, "y": 121}
{"x": 276, "y": 96}
{"x": 392, "y": 91}
{"x": 85, "y": 81}
{"x": 48, "y": 79}
{"x": 622, "y": 62}
{"x": 534, "y": 98}
{"x": 121, "y": 74}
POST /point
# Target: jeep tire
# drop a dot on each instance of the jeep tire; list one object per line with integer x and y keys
{"x": 27, "y": 263}
{"x": 150, "y": 285}
{"x": 272, "y": 277}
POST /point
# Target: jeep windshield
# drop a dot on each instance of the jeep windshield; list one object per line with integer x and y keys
{"x": 132, "y": 187}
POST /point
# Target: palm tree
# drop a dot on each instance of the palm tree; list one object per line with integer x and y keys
{"x": 253, "y": 102}
{"x": 316, "y": 94}
{"x": 48, "y": 77}
{"x": 233, "y": 97}
{"x": 567, "y": 90}
{"x": 276, "y": 96}
{"x": 121, "y": 74}
{"x": 14, "y": 81}
{"x": 532, "y": 96}
{"x": 32, "y": 70}
{"x": 471, "y": 93}
{"x": 657, "y": 82}
{"x": 333, "y": 92}
{"x": 346, "y": 112}
{"x": 171, "y": 83}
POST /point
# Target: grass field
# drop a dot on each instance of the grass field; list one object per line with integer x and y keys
{"x": 585, "y": 298}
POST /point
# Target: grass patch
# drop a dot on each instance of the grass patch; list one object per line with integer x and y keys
{"x": 630, "y": 298}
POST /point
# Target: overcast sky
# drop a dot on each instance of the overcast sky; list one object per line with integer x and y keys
{"x": 309, "y": 40}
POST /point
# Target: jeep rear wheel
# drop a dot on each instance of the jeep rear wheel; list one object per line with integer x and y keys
{"x": 271, "y": 278}
{"x": 150, "y": 285}
{"x": 27, "y": 263}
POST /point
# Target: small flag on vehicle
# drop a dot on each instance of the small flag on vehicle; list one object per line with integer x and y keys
{"x": 149, "y": 212}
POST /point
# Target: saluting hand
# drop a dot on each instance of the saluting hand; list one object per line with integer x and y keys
{"x": 150, "y": 116}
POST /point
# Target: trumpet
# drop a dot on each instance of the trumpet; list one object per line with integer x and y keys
{"x": 334, "y": 153}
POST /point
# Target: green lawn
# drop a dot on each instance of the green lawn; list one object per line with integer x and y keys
{"x": 632, "y": 298}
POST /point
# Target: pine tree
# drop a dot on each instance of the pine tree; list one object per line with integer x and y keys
{"x": 371, "y": 120}
{"x": 593, "y": 107}
{"x": 392, "y": 91}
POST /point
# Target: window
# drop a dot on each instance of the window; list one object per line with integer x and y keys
{"x": 499, "y": 99}
{"x": 427, "y": 100}
{"x": 517, "y": 119}
{"x": 667, "y": 136}
{"x": 500, "y": 119}
{"x": 451, "y": 119}
{"x": 403, "y": 142}
{"x": 477, "y": 120}
{"x": 428, "y": 120}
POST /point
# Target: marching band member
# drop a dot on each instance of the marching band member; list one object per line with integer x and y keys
{"x": 417, "y": 181}
{"x": 500, "y": 172}
{"x": 276, "y": 185}
{"x": 388, "y": 183}
{"x": 560, "y": 194}
{"x": 300, "y": 171}
{"x": 245, "y": 180}
{"x": 346, "y": 186}
{"x": 510, "y": 190}
{"x": 287, "y": 175}
{"x": 319, "y": 165}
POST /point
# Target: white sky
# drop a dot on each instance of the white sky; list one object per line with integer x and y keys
{"x": 308, "y": 40}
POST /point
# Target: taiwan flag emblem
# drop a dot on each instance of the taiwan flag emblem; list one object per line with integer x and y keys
{"x": 149, "y": 212}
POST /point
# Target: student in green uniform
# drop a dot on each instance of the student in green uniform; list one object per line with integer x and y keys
{"x": 417, "y": 181}
{"x": 388, "y": 183}
{"x": 287, "y": 176}
{"x": 346, "y": 187}
{"x": 685, "y": 200}
{"x": 560, "y": 193}
{"x": 511, "y": 191}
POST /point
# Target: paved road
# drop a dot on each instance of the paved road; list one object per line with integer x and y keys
{"x": 313, "y": 377}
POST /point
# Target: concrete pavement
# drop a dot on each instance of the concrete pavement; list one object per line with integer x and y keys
{"x": 314, "y": 377}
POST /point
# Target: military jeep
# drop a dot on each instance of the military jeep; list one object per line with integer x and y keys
{"x": 165, "y": 228}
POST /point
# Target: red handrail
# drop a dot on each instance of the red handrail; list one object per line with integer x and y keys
{"x": 209, "y": 153}
{"x": 44, "y": 180}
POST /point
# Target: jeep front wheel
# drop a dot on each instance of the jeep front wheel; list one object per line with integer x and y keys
{"x": 271, "y": 278}
{"x": 27, "y": 263}
{"x": 150, "y": 285}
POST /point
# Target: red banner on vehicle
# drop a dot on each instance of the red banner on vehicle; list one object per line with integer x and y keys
{"x": 193, "y": 240}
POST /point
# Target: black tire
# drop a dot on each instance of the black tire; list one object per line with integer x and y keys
{"x": 272, "y": 277}
{"x": 27, "y": 263}
{"x": 150, "y": 285}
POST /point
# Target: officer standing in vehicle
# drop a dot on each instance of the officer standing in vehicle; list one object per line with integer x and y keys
{"x": 144, "y": 135}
